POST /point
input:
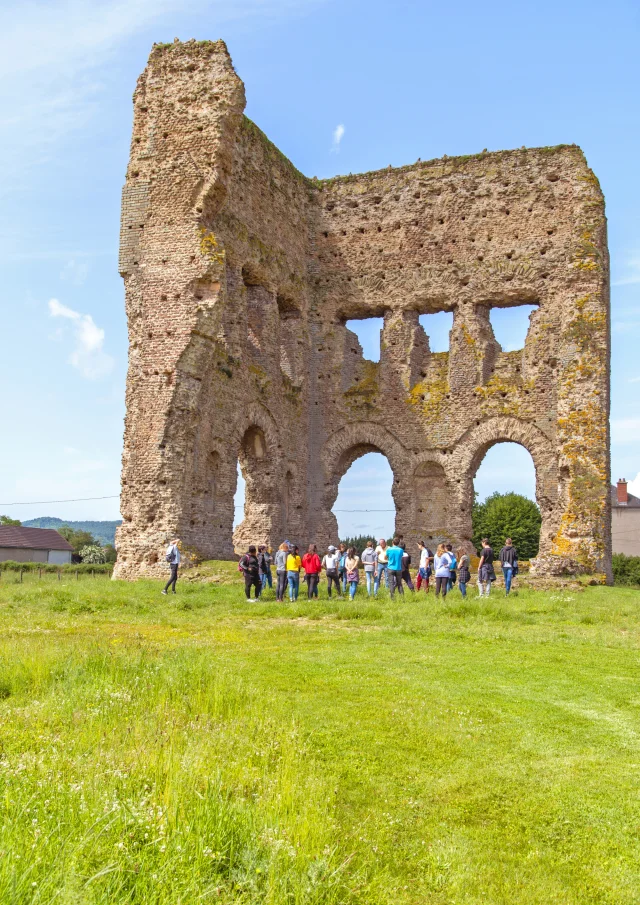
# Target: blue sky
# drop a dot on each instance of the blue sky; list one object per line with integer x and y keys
{"x": 403, "y": 80}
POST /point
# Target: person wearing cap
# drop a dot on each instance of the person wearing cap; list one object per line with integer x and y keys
{"x": 330, "y": 563}
{"x": 369, "y": 562}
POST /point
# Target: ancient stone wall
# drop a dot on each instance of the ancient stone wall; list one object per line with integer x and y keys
{"x": 240, "y": 275}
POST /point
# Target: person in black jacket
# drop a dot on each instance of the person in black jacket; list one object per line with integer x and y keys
{"x": 486, "y": 573}
{"x": 509, "y": 562}
{"x": 250, "y": 567}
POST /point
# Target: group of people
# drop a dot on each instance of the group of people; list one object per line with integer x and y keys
{"x": 387, "y": 564}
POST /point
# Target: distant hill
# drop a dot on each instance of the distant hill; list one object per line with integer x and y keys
{"x": 104, "y": 532}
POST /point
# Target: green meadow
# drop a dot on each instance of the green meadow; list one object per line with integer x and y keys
{"x": 197, "y": 748}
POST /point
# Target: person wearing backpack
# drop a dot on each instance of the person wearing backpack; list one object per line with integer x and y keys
{"x": 452, "y": 567}
{"x": 172, "y": 556}
{"x": 249, "y": 565}
{"x": 265, "y": 559}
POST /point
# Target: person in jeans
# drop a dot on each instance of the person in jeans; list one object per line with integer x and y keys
{"x": 382, "y": 566}
{"x": 294, "y": 564}
{"x": 173, "y": 558}
{"x": 406, "y": 562}
{"x": 452, "y": 568}
{"x": 353, "y": 576}
{"x": 281, "y": 570}
{"x": 394, "y": 555}
{"x": 369, "y": 560}
{"x": 442, "y": 563}
{"x": 464, "y": 575}
{"x": 312, "y": 567}
{"x": 342, "y": 569}
{"x": 250, "y": 567}
{"x": 265, "y": 559}
{"x": 508, "y": 561}
{"x": 424, "y": 567}
{"x": 486, "y": 573}
{"x": 330, "y": 561}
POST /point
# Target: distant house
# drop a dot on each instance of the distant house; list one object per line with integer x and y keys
{"x": 33, "y": 545}
{"x": 625, "y": 520}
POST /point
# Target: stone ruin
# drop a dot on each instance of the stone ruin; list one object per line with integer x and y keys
{"x": 240, "y": 275}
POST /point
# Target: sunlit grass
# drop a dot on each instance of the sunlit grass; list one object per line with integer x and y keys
{"x": 199, "y": 748}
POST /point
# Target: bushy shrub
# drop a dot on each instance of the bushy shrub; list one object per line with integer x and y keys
{"x": 93, "y": 553}
{"x": 626, "y": 569}
{"x": 83, "y": 568}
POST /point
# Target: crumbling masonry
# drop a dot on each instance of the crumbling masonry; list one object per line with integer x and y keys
{"x": 240, "y": 274}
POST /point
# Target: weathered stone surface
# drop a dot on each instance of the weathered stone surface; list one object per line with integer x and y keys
{"x": 240, "y": 274}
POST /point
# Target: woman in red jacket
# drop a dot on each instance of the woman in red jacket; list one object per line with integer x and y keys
{"x": 312, "y": 566}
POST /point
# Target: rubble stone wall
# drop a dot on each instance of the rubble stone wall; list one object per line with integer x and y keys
{"x": 240, "y": 275}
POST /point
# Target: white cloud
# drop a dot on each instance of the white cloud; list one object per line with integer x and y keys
{"x": 634, "y": 380}
{"x": 625, "y": 430}
{"x": 87, "y": 355}
{"x": 338, "y": 134}
{"x": 634, "y": 486}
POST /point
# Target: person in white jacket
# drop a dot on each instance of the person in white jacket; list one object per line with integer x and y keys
{"x": 173, "y": 558}
{"x": 442, "y": 564}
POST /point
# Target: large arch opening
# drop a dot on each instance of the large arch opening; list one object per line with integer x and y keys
{"x": 364, "y": 506}
{"x": 255, "y": 508}
{"x": 505, "y": 505}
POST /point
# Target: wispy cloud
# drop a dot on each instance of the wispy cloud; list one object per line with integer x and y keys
{"x": 56, "y": 56}
{"x": 631, "y": 271}
{"x": 75, "y": 271}
{"x": 634, "y": 380}
{"x": 88, "y": 355}
{"x": 625, "y": 430}
{"x": 338, "y": 135}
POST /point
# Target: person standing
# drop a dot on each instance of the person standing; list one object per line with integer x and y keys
{"x": 509, "y": 563}
{"x": 442, "y": 564}
{"x": 406, "y": 562}
{"x": 394, "y": 555}
{"x": 172, "y": 556}
{"x": 352, "y": 562}
{"x": 464, "y": 574}
{"x": 265, "y": 559}
{"x": 486, "y": 573}
{"x": 382, "y": 566}
{"x": 312, "y": 566}
{"x": 369, "y": 559}
{"x": 452, "y": 567}
{"x": 294, "y": 564}
{"x": 330, "y": 562}
{"x": 250, "y": 567}
{"x": 342, "y": 569}
{"x": 281, "y": 570}
{"x": 424, "y": 567}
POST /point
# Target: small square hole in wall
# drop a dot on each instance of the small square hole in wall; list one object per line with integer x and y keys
{"x": 510, "y": 325}
{"x": 437, "y": 326}
{"x": 368, "y": 331}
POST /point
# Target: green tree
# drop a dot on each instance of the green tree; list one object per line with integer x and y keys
{"x": 505, "y": 515}
{"x": 110, "y": 553}
{"x": 6, "y": 520}
{"x": 77, "y": 539}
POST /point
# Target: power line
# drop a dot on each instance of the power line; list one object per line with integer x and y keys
{"x": 78, "y": 500}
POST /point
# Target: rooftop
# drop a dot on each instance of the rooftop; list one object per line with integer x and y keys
{"x": 32, "y": 538}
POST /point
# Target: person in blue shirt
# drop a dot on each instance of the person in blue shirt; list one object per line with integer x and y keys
{"x": 394, "y": 556}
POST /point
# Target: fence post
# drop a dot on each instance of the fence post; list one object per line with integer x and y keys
{"x": 20, "y": 576}
{"x": 39, "y": 574}
{"x": 59, "y": 575}
{"x": 77, "y": 576}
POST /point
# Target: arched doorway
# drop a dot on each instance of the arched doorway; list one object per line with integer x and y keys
{"x": 364, "y": 506}
{"x": 504, "y": 500}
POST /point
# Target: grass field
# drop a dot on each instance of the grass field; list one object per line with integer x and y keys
{"x": 196, "y": 748}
